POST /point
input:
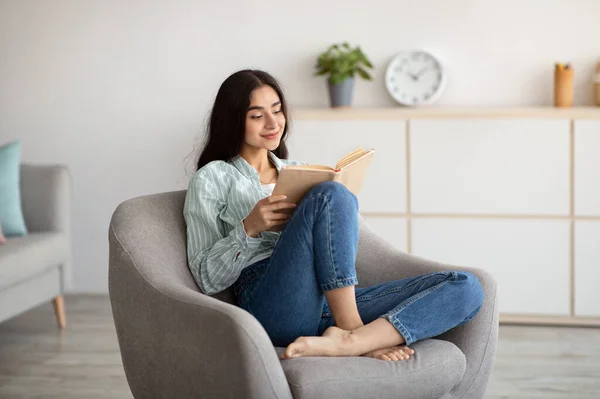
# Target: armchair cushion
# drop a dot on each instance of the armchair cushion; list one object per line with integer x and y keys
{"x": 11, "y": 214}
{"x": 436, "y": 367}
{"x": 23, "y": 257}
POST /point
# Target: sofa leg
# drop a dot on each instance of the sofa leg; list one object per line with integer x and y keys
{"x": 59, "y": 309}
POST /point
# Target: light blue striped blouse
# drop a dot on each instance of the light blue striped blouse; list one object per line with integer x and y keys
{"x": 220, "y": 196}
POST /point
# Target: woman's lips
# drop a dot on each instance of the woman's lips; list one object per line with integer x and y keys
{"x": 271, "y": 136}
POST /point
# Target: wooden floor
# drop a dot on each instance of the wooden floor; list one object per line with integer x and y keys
{"x": 39, "y": 361}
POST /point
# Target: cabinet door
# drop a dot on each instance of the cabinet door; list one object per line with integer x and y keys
{"x": 528, "y": 258}
{"x": 391, "y": 229}
{"x": 587, "y": 268}
{"x": 326, "y": 142}
{"x": 587, "y": 168}
{"x": 490, "y": 166}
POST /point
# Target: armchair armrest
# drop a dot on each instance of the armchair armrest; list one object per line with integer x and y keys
{"x": 176, "y": 342}
{"x": 46, "y": 198}
{"x": 378, "y": 261}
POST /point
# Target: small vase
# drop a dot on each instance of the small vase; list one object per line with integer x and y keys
{"x": 597, "y": 85}
{"x": 563, "y": 87}
{"x": 340, "y": 95}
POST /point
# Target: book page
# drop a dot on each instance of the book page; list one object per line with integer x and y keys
{"x": 353, "y": 175}
{"x": 348, "y": 160}
{"x": 319, "y": 167}
{"x": 350, "y": 156}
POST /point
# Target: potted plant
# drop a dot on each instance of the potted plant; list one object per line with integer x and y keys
{"x": 342, "y": 63}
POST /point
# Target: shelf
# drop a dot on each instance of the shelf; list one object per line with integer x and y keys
{"x": 401, "y": 113}
{"x": 526, "y": 319}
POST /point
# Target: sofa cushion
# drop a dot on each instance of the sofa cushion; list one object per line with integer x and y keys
{"x": 2, "y": 238}
{"x": 24, "y": 257}
{"x": 435, "y": 368}
{"x": 11, "y": 214}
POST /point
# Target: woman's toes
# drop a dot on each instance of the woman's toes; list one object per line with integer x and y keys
{"x": 394, "y": 353}
{"x": 291, "y": 351}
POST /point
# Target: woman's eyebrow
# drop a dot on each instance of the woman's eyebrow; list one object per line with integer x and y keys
{"x": 259, "y": 107}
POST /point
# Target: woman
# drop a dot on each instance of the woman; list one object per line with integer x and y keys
{"x": 292, "y": 266}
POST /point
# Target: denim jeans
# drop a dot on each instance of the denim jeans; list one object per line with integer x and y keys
{"x": 316, "y": 252}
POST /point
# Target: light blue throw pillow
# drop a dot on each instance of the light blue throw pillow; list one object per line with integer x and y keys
{"x": 11, "y": 214}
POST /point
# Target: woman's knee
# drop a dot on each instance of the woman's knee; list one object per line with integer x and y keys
{"x": 471, "y": 290}
{"x": 335, "y": 191}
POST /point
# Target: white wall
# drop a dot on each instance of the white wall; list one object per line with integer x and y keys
{"x": 119, "y": 90}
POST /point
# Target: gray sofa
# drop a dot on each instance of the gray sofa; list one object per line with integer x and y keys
{"x": 35, "y": 268}
{"x": 178, "y": 343}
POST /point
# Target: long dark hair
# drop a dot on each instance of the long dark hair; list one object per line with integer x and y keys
{"x": 227, "y": 126}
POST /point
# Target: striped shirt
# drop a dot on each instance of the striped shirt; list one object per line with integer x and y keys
{"x": 219, "y": 197}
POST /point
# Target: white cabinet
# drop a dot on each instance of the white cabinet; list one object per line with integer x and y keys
{"x": 325, "y": 142}
{"x": 587, "y": 268}
{"x": 528, "y": 258}
{"x": 587, "y": 167}
{"x": 515, "y": 192}
{"x": 490, "y": 166}
{"x": 391, "y": 229}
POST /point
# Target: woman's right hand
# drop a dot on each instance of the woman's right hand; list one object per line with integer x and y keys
{"x": 264, "y": 215}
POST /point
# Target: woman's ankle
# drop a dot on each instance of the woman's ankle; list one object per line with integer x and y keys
{"x": 376, "y": 335}
{"x": 358, "y": 343}
{"x": 349, "y": 325}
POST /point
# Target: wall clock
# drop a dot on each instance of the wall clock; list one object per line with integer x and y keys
{"x": 415, "y": 78}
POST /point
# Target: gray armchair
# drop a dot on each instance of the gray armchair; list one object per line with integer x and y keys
{"x": 176, "y": 342}
{"x": 36, "y": 268}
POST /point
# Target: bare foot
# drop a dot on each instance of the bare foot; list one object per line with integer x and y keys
{"x": 394, "y": 353}
{"x": 334, "y": 342}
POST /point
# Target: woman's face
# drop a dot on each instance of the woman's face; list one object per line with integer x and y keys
{"x": 264, "y": 119}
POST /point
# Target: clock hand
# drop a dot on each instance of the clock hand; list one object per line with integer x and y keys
{"x": 421, "y": 72}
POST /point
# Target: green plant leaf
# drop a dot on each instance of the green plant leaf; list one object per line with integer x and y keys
{"x": 338, "y": 78}
{"x": 367, "y": 62}
{"x": 341, "y": 61}
{"x": 364, "y": 74}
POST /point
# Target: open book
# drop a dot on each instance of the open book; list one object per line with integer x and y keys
{"x": 296, "y": 181}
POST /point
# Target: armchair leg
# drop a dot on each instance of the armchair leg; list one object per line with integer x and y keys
{"x": 59, "y": 309}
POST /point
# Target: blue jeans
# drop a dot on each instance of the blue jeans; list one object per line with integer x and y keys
{"x": 316, "y": 252}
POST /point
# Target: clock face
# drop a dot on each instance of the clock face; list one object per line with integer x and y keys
{"x": 415, "y": 78}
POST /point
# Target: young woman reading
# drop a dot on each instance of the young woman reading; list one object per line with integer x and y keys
{"x": 292, "y": 266}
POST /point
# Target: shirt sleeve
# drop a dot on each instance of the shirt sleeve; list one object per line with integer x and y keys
{"x": 215, "y": 257}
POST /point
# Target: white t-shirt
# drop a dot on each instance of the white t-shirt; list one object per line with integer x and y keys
{"x": 268, "y": 188}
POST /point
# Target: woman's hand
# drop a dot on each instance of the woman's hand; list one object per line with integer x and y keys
{"x": 267, "y": 215}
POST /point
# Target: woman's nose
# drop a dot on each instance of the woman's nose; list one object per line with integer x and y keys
{"x": 271, "y": 121}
